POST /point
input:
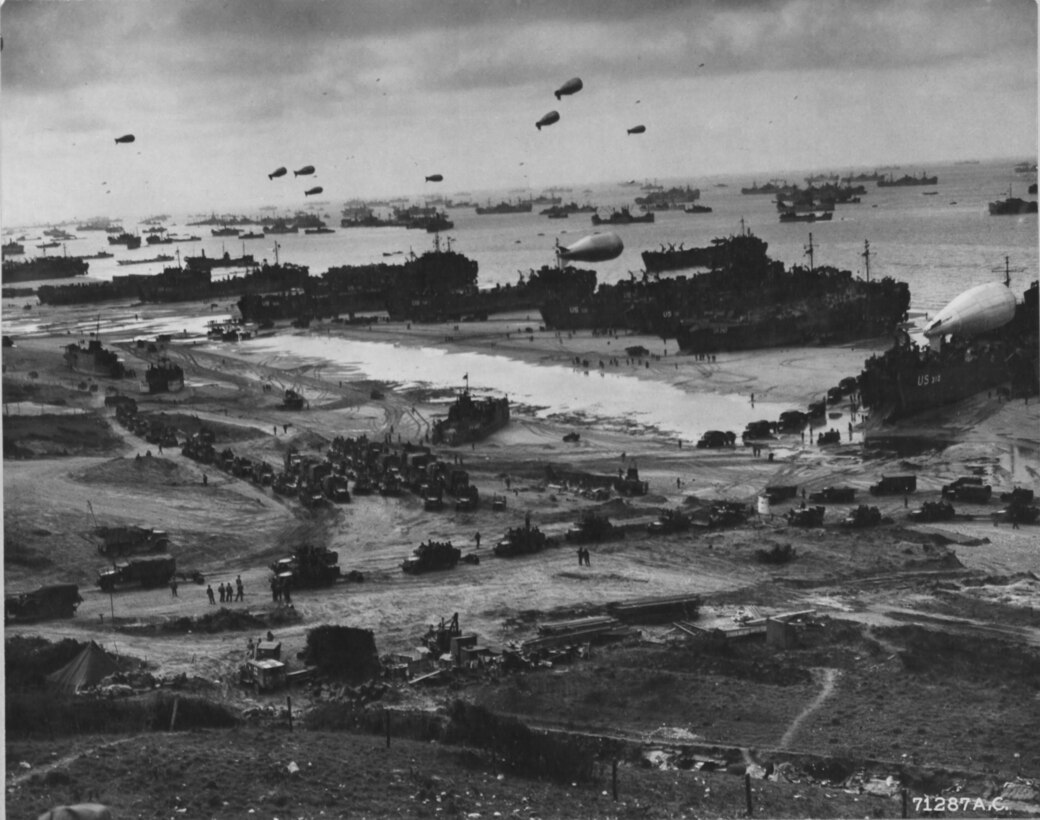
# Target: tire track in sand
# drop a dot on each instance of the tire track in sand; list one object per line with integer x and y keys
{"x": 829, "y": 677}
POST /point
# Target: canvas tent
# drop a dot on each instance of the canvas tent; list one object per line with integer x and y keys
{"x": 88, "y": 668}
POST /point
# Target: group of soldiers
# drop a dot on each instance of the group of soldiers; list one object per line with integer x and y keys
{"x": 227, "y": 592}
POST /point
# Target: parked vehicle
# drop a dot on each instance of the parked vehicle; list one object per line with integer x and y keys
{"x": 862, "y": 516}
{"x": 432, "y": 555}
{"x": 836, "y": 495}
{"x": 146, "y": 571}
{"x": 265, "y": 675}
{"x": 53, "y": 601}
{"x": 806, "y": 516}
{"x": 895, "y": 485}
{"x": 933, "y": 511}
{"x": 591, "y": 528}
{"x": 126, "y": 540}
{"x": 671, "y": 521}
{"x": 968, "y": 488}
{"x": 309, "y": 566}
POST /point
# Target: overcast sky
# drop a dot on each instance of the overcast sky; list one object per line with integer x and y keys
{"x": 377, "y": 94}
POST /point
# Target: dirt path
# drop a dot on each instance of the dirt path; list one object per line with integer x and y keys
{"x": 39, "y": 771}
{"x": 829, "y": 677}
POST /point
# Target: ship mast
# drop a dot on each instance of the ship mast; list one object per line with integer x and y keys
{"x": 866, "y": 256}
{"x": 809, "y": 253}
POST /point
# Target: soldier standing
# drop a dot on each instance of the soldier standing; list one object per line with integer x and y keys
{"x": 209, "y": 593}
{"x": 241, "y": 588}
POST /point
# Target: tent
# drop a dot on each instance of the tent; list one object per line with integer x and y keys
{"x": 87, "y": 669}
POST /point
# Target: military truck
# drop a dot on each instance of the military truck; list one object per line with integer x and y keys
{"x": 933, "y": 511}
{"x": 806, "y": 516}
{"x": 53, "y": 601}
{"x": 591, "y": 528}
{"x": 781, "y": 492}
{"x": 727, "y": 514}
{"x": 670, "y": 521}
{"x": 968, "y": 488}
{"x": 335, "y": 488}
{"x": 263, "y": 675}
{"x": 145, "y": 570}
{"x": 833, "y": 494}
{"x": 432, "y": 555}
{"x": 862, "y": 516}
{"x": 128, "y": 540}
{"x": 522, "y": 541}
{"x": 467, "y": 499}
{"x": 1018, "y": 512}
{"x": 1018, "y": 494}
{"x": 308, "y": 567}
{"x": 894, "y": 485}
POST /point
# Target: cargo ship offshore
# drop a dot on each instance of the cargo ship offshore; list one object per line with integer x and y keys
{"x": 745, "y": 301}
{"x": 982, "y": 340}
{"x": 43, "y": 267}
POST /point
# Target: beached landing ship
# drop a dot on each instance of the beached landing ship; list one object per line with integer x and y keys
{"x": 982, "y": 340}
{"x": 163, "y": 377}
{"x": 745, "y": 301}
{"x": 471, "y": 420}
{"x": 94, "y": 360}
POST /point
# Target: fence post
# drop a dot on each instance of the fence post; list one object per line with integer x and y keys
{"x": 288, "y": 706}
{"x": 613, "y": 777}
{"x": 747, "y": 794}
{"x": 173, "y": 717}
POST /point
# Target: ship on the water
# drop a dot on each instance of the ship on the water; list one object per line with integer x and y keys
{"x": 745, "y": 301}
{"x": 162, "y": 257}
{"x": 774, "y": 187}
{"x": 43, "y": 267}
{"x": 1012, "y": 206}
{"x": 470, "y": 420}
{"x": 666, "y": 199}
{"x": 622, "y": 216}
{"x": 809, "y": 216}
{"x": 982, "y": 340}
{"x": 892, "y": 182}
{"x": 439, "y": 285}
{"x": 130, "y": 240}
{"x": 565, "y": 210}
{"x": 519, "y": 207}
{"x": 671, "y": 257}
{"x": 204, "y": 262}
{"x": 13, "y": 248}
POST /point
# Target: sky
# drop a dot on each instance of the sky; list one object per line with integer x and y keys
{"x": 379, "y": 94}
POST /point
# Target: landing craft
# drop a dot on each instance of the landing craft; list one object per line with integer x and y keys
{"x": 637, "y": 129}
{"x": 316, "y": 190}
{"x": 981, "y": 308}
{"x": 548, "y": 119}
{"x": 434, "y": 178}
{"x": 572, "y": 86}
{"x": 278, "y": 172}
{"x": 125, "y": 138}
{"x": 306, "y": 169}
{"x": 597, "y": 247}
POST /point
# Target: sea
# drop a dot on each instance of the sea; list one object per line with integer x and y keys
{"x": 939, "y": 239}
